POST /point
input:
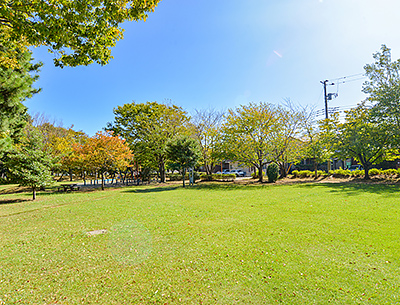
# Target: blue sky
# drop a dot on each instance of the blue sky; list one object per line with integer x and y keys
{"x": 224, "y": 53}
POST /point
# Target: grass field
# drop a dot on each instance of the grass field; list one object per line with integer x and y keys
{"x": 210, "y": 244}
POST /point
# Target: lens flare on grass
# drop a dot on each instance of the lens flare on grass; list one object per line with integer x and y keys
{"x": 130, "y": 242}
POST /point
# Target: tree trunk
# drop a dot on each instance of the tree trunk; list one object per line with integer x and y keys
{"x": 123, "y": 176}
{"x": 162, "y": 170}
{"x": 366, "y": 170}
{"x": 34, "y": 193}
{"x": 102, "y": 181}
{"x": 70, "y": 174}
{"x": 184, "y": 174}
{"x": 84, "y": 177}
{"x": 316, "y": 169}
{"x": 260, "y": 172}
{"x": 62, "y": 174}
{"x": 282, "y": 168}
{"x": 209, "y": 168}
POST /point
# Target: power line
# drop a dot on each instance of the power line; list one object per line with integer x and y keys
{"x": 351, "y": 80}
{"x": 337, "y": 81}
{"x": 348, "y": 76}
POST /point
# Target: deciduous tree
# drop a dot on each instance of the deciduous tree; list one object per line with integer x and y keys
{"x": 207, "y": 130}
{"x": 383, "y": 89}
{"x": 76, "y": 32}
{"x": 105, "y": 152}
{"x": 147, "y": 127}
{"x": 287, "y": 146}
{"x": 248, "y": 134}
{"x": 319, "y": 142}
{"x": 183, "y": 153}
{"x": 60, "y": 143}
{"x": 362, "y": 138}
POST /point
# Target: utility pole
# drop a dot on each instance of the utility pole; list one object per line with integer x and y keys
{"x": 325, "y": 83}
{"x": 325, "y": 97}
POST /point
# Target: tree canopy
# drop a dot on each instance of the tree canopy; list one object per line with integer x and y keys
{"x": 28, "y": 164}
{"x": 76, "y": 32}
{"x": 147, "y": 127}
{"x": 16, "y": 85}
{"x": 248, "y": 133}
{"x": 183, "y": 153}
{"x": 287, "y": 147}
{"x": 105, "y": 153}
{"x": 207, "y": 130}
{"x": 383, "y": 89}
{"x": 362, "y": 138}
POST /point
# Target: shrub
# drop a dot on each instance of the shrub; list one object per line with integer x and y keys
{"x": 272, "y": 172}
{"x": 178, "y": 177}
{"x": 358, "y": 173}
{"x": 205, "y": 177}
{"x": 341, "y": 173}
{"x": 321, "y": 173}
{"x": 219, "y": 177}
{"x": 255, "y": 175}
{"x": 390, "y": 172}
{"x": 374, "y": 172}
{"x": 295, "y": 173}
{"x": 224, "y": 177}
{"x": 306, "y": 174}
{"x": 175, "y": 177}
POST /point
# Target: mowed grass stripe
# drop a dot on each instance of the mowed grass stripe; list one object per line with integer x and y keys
{"x": 224, "y": 244}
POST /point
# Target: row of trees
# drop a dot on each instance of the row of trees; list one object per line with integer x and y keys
{"x": 259, "y": 133}
{"x": 157, "y": 136}
{"x": 83, "y": 32}
{"x": 44, "y": 150}
{"x": 370, "y": 132}
{"x": 253, "y": 134}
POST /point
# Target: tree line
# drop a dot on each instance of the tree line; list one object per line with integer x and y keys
{"x": 155, "y": 137}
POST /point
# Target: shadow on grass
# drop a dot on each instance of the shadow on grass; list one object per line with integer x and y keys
{"x": 351, "y": 188}
{"x": 215, "y": 185}
{"x": 355, "y": 188}
{"x": 152, "y": 189}
{"x": 228, "y": 186}
{"x": 11, "y": 201}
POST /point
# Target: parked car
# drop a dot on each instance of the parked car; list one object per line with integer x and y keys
{"x": 355, "y": 167}
{"x": 238, "y": 172}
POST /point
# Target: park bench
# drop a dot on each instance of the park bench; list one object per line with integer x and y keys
{"x": 68, "y": 187}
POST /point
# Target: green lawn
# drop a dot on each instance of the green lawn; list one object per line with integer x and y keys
{"x": 210, "y": 244}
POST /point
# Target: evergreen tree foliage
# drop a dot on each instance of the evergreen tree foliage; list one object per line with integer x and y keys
{"x": 28, "y": 164}
{"x": 272, "y": 172}
{"x": 15, "y": 86}
{"x": 183, "y": 153}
